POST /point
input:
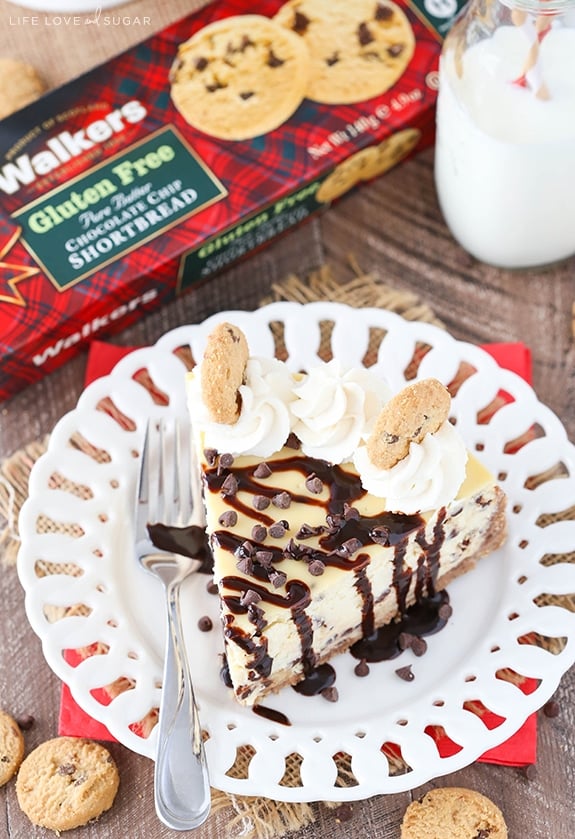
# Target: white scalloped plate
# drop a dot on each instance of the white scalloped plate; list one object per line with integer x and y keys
{"x": 77, "y": 549}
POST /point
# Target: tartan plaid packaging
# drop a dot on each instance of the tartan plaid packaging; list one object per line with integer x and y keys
{"x": 112, "y": 202}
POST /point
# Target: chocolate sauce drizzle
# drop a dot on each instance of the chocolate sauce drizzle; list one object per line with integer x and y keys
{"x": 342, "y": 529}
{"x": 188, "y": 541}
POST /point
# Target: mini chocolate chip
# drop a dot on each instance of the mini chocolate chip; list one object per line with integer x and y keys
{"x": 343, "y": 813}
{"x": 445, "y": 611}
{"x": 228, "y": 519}
{"x": 277, "y": 530}
{"x": 350, "y": 513}
{"x": 5, "y": 759}
{"x": 405, "y": 640}
{"x": 349, "y": 547}
{"x": 230, "y": 485}
{"x": 211, "y": 456}
{"x": 250, "y": 597}
{"x": 484, "y": 833}
{"x": 264, "y": 558}
{"x": 362, "y": 668}
{"x": 316, "y": 568}
{"x": 306, "y": 531}
{"x": 66, "y": 769}
{"x": 201, "y": 63}
{"x": 314, "y": 484}
{"x": 260, "y": 502}
{"x": 282, "y": 500}
{"x": 205, "y": 624}
{"x": 225, "y": 673}
{"x": 395, "y": 50}
{"x": 332, "y": 59}
{"x": 405, "y": 673}
{"x": 226, "y": 460}
{"x": 380, "y": 535}
{"x": 245, "y": 565}
{"x": 259, "y": 533}
{"x": 293, "y": 441}
{"x": 26, "y": 722}
{"x": 551, "y": 709}
{"x": 418, "y": 646}
{"x": 262, "y": 470}
{"x": 81, "y": 779}
{"x": 277, "y": 578}
{"x": 255, "y": 616}
{"x": 211, "y": 587}
{"x": 330, "y": 694}
{"x": 247, "y": 548}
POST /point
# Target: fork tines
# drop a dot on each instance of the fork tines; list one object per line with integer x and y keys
{"x": 165, "y": 486}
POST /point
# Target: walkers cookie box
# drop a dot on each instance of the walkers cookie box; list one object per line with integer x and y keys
{"x": 141, "y": 178}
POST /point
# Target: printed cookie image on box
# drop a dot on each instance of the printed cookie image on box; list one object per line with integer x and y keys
{"x": 367, "y": 164}
{"x": 358, "y": 49}
{"x": 240, "y": 77}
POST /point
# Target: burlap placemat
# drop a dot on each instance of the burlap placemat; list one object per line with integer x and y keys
{"x": 259, "y": 818}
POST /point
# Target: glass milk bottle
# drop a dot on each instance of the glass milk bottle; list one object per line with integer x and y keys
{"x": 505, "y": 150}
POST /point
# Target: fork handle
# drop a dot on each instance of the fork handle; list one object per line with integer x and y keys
{"x": 182, "y": 788}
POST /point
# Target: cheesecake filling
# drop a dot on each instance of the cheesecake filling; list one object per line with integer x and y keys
{"x": 307, "y": 562}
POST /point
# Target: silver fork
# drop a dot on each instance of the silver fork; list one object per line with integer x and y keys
{"x": 168, "y": 493}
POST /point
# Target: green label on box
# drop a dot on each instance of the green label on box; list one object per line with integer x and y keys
{"x": 115, "y": 207}
{"x": 247, "y": 236}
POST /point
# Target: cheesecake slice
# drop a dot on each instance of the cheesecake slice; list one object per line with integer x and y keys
{"x": 309, "y": 556}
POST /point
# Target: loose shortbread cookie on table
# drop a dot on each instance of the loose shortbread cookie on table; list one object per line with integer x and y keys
{"x": 358, "y": 49}
{"x": 11, "y": 747}
{"x": 453, "y": 813}
{"x": 66, "y": 782}
{"x": 419, "y": 409}
{"x": 223, "y": 372}
{"x": 240, "y": 77}
{"x": 20, "y": 85}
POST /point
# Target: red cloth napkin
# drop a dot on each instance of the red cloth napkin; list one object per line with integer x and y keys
{"x": 518, "y": 750}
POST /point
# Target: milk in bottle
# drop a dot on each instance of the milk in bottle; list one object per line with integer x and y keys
{"x": 505, "y": 149}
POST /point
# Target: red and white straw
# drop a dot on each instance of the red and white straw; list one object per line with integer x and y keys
{"x": 535, "y": 29}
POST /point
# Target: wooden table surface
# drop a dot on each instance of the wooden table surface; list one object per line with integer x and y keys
{"x": 395, "y": 229}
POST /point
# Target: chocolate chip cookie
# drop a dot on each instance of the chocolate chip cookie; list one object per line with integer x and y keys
{"x": 419, "y": 409}
{"x": 453, "y": 813}
{"x": 11, "y": 747}
{"x": 240, "y": 77}
{"x": 223, "y": 372}
{"x": 358, "y": 49}
{"x": 65, "y": 782}
{"x": 20, "y": 84}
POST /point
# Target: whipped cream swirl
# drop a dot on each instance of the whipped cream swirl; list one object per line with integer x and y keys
{"x": 334, "y": 410}
{"x": 427, "y": 478}
{"x": 264, "y": 423}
